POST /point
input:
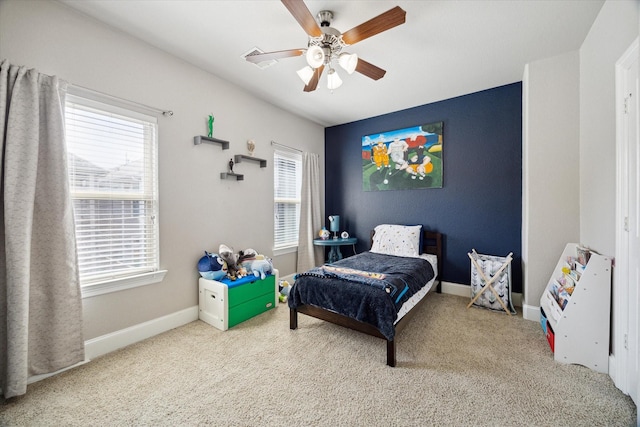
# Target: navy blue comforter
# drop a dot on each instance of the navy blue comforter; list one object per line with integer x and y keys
{"x": 344, "y": 287}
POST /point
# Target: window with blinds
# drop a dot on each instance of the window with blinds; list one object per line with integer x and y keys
{"x": 112, "y": 155}
{"x": 287, "y": 181}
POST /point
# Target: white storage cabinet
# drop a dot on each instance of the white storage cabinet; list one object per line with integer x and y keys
{"x": 226, "y": 303}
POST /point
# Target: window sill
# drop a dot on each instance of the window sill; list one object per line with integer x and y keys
{"x": 108, "y": 286}
{"x": 284, "y": 251}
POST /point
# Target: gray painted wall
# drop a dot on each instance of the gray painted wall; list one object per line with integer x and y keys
{"x": 198, "y": 210}
{"x": 551, "y": 207}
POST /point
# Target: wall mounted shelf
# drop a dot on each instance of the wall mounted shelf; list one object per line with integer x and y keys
{"x": 241, "y": 157}
{"x": 197, "y": 140}
{"x": 229, "y": 175}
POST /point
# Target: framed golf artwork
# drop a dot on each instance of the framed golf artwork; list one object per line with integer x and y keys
{"x": 403, "y": 159}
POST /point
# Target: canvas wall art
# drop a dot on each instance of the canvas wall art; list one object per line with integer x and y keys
{"x": 403, "y": 159}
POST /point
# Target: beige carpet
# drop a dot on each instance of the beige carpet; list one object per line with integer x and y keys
{"x": 456, "y": 367}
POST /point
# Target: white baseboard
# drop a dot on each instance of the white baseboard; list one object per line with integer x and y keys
{"x": 531, "y": 312}
{"x": 612, "y": 374}
{"x": 465, "y": 291}
{"x": 110, "y": 342}
{"x": 456, "y": 289}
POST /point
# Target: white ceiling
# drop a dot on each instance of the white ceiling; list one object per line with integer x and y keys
{"x": 445, "y": 49}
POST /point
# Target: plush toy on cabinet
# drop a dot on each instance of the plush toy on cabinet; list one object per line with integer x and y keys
{"x": 256, "y": 264}
{"x": 247, "y": 254}
{"x": 212, "y": 267}
{"x": 234, "y": 271}
{"x": 262, "y": 267}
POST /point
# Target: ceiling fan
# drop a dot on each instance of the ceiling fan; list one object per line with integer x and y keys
{"x": 326, "y": 44}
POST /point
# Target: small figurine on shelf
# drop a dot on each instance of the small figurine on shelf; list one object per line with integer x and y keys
{"x": 231, "y": 165}
{"x": 211, "y": 126}
{"x": 251, "y": 145}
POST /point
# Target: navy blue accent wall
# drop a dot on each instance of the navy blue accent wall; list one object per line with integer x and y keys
{"x": 480, "y": 203}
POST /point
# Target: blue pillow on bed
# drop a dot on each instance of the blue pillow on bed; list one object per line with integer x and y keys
{"x": 398, "y": 240}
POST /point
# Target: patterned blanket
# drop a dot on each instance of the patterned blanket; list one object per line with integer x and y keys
{"x": 377, "y": 280}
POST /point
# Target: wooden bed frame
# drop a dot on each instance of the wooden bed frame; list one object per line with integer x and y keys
{"x": 432, "y": 244}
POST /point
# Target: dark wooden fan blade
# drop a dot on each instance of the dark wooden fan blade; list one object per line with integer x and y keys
{"x": 313, "y": 83}
{"x": 369, "y": 70}
{"x": 306, "y": 20}
{"x": 268, "y": 56}
{"x": 389, "y": 19}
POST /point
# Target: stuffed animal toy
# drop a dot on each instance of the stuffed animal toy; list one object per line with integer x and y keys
{"x": 212, "y": 267}
{"x": 262, "y": 267}
{"x": 284, "y": 289}
{"x": 233, "y": 269}
{"x": 246, "y": 254}
{"x": 247, "y": 257}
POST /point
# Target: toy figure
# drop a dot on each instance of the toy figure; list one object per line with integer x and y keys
{"x": 284, "y": 289}
{"x": 231, "y": 165}
{"x": 324, "y": 233}
{"x": 211, "y": 126}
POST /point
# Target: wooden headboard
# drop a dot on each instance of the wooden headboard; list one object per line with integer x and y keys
{"x": 432, "y": 244}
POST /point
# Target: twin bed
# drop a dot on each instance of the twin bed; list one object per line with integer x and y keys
{"x": 374, "y": 292}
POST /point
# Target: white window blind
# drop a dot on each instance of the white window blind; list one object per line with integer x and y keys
{"x": 112, "y": 155}
{"x": 287, "y": 183}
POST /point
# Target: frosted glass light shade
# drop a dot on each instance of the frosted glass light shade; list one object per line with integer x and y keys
{"x": 348, "y": 61}
{"x": 305, "y": 74}
{"x": 333, "y": 80}
{"x": 315, "y": 56}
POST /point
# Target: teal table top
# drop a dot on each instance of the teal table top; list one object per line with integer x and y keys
{"x": 335, "y": 242}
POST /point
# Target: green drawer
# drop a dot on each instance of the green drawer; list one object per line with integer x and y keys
{"x": 243, "y": 293}
{"x": 251, "y": 308}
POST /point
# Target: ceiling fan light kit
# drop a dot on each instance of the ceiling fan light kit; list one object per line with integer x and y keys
{"x": 348, "y": 61}
{"x": 325, "y": 45}
{"x": 315, "y": 56}
{"x": 305, "y": 74}
{"x": 333, "y": 80}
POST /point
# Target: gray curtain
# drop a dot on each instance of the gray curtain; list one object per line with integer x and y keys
{"x": 40, "y": 300}
{"x": 309, "y": 255}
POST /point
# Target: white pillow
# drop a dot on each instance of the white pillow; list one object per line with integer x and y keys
{"x": 398, "y": 240}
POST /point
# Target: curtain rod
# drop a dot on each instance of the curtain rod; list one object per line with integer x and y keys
{"x": 285, "y": 146}
{"x": 166, "y": 113}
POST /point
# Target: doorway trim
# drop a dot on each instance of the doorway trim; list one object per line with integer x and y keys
{"x": 621, "y": 359}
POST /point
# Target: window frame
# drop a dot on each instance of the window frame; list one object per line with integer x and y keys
{"x": 296, "y": 157}
{"x": 147, "y": 275}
